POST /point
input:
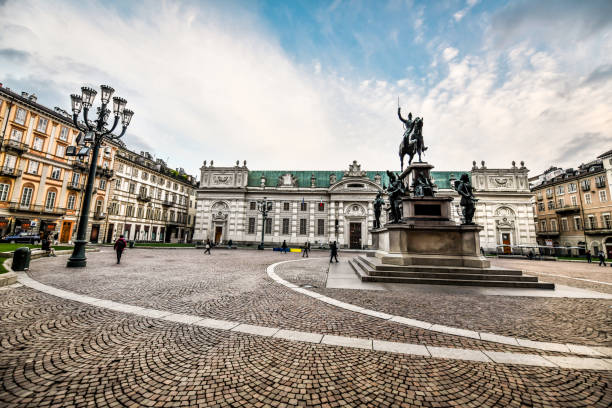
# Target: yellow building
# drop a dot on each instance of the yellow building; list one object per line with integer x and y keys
{"x": 40, "y": 188}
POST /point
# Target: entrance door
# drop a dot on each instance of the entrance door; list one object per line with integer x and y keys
{"x": 109, "y": 233}
{"x": 66, "y": 231}
{"x": 95, "y": 230}
{"x": 506, "y": 243}
{"x": 355, "y": 235}
{"x": 218, "y": 234}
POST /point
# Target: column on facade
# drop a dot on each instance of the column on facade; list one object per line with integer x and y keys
{"x": 276, "y": 226}
{"x": 341, "y": 239}
{"x": 28, "y": 137}
{"x": 369, "y": 223}
{"x": 294, "y": 225}
{"x": 40, "y": 194}
{"x": 331, "y": 229}
{"x": 311, "y": 220}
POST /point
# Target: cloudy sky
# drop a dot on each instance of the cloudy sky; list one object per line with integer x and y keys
{"x": 306, "y": 84}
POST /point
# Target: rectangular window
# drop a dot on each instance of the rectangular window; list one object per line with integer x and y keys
{"x": 38, "y": 143}
{"x": 574, "y": 200}
{"x": 252, "y": 205}
{"x": 42, "y": 125}
{"x": 303, "y": 206}
{"x": 600, "y": 181}
{"x": 321, "y": 206}
{"x": 33, "y": 167}
{"x": 591, "y": 222}
{"x": 71, "y": 200}
{"x": 303, "y": 226}
{"x": 20, "y": 116}
{"x": 606, "y": 221}
{"x": 139, "y": 212}
{"x": 10, "y": 161}
{"x": 56, "y": 173}
{"x": 587, "y": 198}
{"x": 135, "y": 172}
{"x": 61, "y": 150}
{"x": 251, "y": 225}
{"x": 63, "y": 133}
{"x": 285, "y": 206}
{"x": 130, "y": 210}
{"x": 551, "y": 205}
{"x": 50, "y": 201}
{"x": 102, "y": 184}
{"x": 577, "y": 223}
{"x": 543, "y": 227}
{"x": 285, "y": 226}
{"x": 16, "y": 135}
{"x": 540, "y": 206}
{"x": 4, "y": 190}
{"x": 549, "y": 193}
{"x": 118, "y": 184}
{"x": 120, "y": 168}
{"x": 603, "y": 197}
{"x": 561, "y": 203}
{"x": 560, "y": 189}
{"x": 132, "y": 188}
{"x": 564, "y": 226}
{"x": 26, "y": 197}
{"x": 320, "y": 226}
{"x": 75, "y": 178}
{"x": 571, "y": 188}
{"x": 268, "y": 225}
{"x": 553, "y": 225}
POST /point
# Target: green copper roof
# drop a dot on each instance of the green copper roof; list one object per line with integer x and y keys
{"x": 441, "y": 178}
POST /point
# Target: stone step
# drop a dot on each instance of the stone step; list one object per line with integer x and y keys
{"x": 375, "y": 264}
{"x": 364, "y": 274}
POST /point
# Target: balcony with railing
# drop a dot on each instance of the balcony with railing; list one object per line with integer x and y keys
{"x": 549, "y": 194}
{"x": 168, "y": 203}
{"x": 586, "y": 185}
{"x": 143, "y": 197}
{"x": 38, "y": 209}
{"x": 99, "y": 216}
{"x": 600, "y": 182}
{"x": 75, "y": 185}
{"x": 78, "y": 165}
{"x": 567, "y": 209}
{"x": 605, "y": 229}
{"x": 15, "y": 146}
{"x": 10, "y": 171}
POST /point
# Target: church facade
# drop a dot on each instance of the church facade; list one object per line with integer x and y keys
{"x": 325, "y": 206}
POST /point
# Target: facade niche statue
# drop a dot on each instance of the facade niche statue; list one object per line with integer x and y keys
{"x": 378, "y": 204}
{"x": 468, "y": 201}
{"x": 395, "y": 191}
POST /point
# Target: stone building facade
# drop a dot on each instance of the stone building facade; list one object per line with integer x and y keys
{"x": 573, "y": 209}
{"x": 325, "y": 206}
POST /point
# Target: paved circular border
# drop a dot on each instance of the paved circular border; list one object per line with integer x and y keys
{"x": 514, "y": 341}
{"x": 318, "y": 338}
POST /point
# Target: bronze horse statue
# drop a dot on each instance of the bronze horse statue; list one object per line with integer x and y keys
{"x": 412, "y": 143}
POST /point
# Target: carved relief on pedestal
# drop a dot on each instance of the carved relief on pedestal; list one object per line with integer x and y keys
{"x": 501, "y": 182}
{"x": 354, "y": 210}
{"x": 222, "y": 179}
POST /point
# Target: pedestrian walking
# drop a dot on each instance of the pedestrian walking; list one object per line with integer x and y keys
{"x": 119, "y": 247}
{"x": 333, "y": 252}
{"x": 602, "y": 258}
{"x": 284, "y": 246}
{"x": 306, "y": 249}
{"x": 46, "y": 245}
{"x": 207, "y": 247}
{"x": 588, "y": 256}
{"x": 230, "y": 243}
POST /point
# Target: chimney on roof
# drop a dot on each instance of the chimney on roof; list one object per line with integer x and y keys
{"x": 24, "y": 94}
{"x": 33, "y": 98}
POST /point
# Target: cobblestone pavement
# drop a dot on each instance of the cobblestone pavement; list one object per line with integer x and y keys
{"x": 233, "y": 285}
{"x": 581, "y": 270}
{"x": 561, "y": 320}
{"x": 55, "y": 352}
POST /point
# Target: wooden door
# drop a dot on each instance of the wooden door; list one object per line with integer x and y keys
{"x": 66, "y": 231}
{"x": 506, "y": 243}
{"x": 109, "y": 233}
{"x": 218, "y": 234}
{"x": 95, "y": 230}
{"x": 355, "y": 235}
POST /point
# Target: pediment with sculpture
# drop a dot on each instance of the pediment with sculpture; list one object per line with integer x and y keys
{"x": 287, "y": 180}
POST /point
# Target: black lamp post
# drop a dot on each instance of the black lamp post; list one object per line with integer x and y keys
{"x": 263, "y": 206}
{"x": 94, "y": 131}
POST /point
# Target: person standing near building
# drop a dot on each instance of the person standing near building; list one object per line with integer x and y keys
{"x": 333, "y": 252}
{"x": 306, "y": 249}
{"x": 588, "y": 255}
{"x": 284, "y": 246}
{"x": 602, "y": 258}
{"x": 207, "y": 247}
{"x": 119, "y": 246}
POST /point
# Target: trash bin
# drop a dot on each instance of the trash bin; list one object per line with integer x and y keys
{"x": 131, "y": 244}
{"x": 21, "y": 259}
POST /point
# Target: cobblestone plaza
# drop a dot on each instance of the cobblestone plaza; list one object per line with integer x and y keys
{"x": 175, "y": 327}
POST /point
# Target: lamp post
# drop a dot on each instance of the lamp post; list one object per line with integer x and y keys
{"x": 94, "y": 132}
{"x": 263, "y": 206}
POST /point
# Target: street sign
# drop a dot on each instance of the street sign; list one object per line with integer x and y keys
{"x": 549, "y": 242}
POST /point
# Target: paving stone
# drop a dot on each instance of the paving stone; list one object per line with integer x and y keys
{"x": 380, "y": 315}
{"x": 578, "y": 349}
{"x": 216, "y": 324}
{"x": 455, "y": 330}
{"x": 458, "y": 354}
{"x": 516, "y": 358}
{"x": 258, "y": 330}
{"x": 499, "y": 339}
{"x": 404, "y": 348}
{"x": 544, "y": 345}
{"x": 603, "y": 350}
{"x": 347, "y": 342}
{"x": 299, "y": 336}
{"x": 182, "y": 318}
{"x": 411, "y": 322}
{"x": 152, "y": 313}
{"x": 580, "y": 363}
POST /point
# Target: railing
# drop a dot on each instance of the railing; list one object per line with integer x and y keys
{"x": 99, "y": 216}
{"x": 10, "y": 171}
{"x": 600, "y": 183}
{"x": 568, "y": 208}
{"x": 143, "y": 197}
{"x": 40, "y": 209}
{"x": 75, "y": 186}
{"x": 606, "y": 229}
{"x": 15, "y": 145}
{"x": 549, "y": 195}
{"x": 585, "y": 186}
{"x": 78, "y": 165}
{"x": 168, "y": 203}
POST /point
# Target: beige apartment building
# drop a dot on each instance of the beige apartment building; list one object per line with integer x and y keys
{"x": 572, "y": 210}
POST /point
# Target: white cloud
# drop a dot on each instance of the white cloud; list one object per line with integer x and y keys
{"x": 208, "y": 86}
{"x": 458, "y": 16}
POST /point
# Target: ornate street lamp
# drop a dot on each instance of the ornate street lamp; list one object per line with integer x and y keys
{"x": 94, "y": 131}
{"x": 263, "y": 206}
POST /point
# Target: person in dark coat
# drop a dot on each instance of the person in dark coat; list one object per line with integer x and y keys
{"x": 333, "y": 252}
{"x": 588, "y": 256}
{"x": 119, "y": 246}
{"x": 602, "y": 258}
{"x": 306, "y": 249}
{"x": 284, "y": 246}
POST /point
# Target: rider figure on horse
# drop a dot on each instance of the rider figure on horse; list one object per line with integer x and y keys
{"x": 413, "y": 137}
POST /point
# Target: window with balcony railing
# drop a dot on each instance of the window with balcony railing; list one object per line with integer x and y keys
{"x": 551, "y": 205}
{"x": 600, "y": 181}
{"x": 571, "y": 188}
{"x": 607, "y": 223}
{"x": 586, "y": 185}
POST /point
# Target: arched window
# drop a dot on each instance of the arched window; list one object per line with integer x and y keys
{"x": 50, "y": 201}
{"x": 71, "y": 202}
{"x": 26, "y": 195}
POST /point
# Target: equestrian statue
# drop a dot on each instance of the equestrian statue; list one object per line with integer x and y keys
{"x": 412, "y": 142}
